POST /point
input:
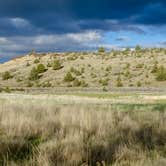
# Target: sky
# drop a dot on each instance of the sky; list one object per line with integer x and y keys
{"x": 79, "y": 25}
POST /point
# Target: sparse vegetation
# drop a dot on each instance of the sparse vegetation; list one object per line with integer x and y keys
{"x": 29, "y": 84}
{"x": 109, "y": 68}
{"x": 72, "y": 57}
{"x": 139, "y": 84}
{"x": 57, "y": 65}
{"x": 49, "y": 64}
{"x": 161, "y": 74}
{"x": 93, "y": 75}
{"x": 155, "y": 68}
{"x": 127, "y": 65}
{"x": 119, "y": 82}
{"x": 7, "y": 90}
{"x": 140, "y": 65}
{"x": 84, "y": 84}
{"x": 75, "y": 71}
{"x": 68, "y": 77}
{"x": 46, "y": 84}
{"x": 34, "y": 75}
{"x": 76, "y": 83}
{"x": 138, "y": 48}
{"x": 127, "y": 74}
{"x": 19, "y": 79}
{"x": 28, "y": 64}
{"x": 41, "y": 68}
{"x": 101, "y": 50}
{"x": 6, "y": 75}
{"x": 131, "y": 65}
{"x": 104, "y": 82}
{"x": 36, "y": 61}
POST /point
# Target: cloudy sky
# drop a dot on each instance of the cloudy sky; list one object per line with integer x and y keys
{"x": 74, "y": 25}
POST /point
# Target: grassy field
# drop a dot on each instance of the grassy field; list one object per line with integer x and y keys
{"x": 76, "y": 129}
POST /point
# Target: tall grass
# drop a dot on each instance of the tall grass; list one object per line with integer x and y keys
{"x": 36, "y": 134}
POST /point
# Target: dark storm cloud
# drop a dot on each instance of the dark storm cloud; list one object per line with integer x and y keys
{"x": 17, "y": 26}
{"x": 132, "y": 11}
{"x": 61, "y": 16}
{"x": 152, "y": 14}
{"x": 82, "y": 9}
{"x": 109, "y": 25}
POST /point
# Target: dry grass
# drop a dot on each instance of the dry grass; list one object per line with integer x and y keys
{"x": 36, "y": 133}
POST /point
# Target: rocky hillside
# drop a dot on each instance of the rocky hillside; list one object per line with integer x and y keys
{"x": 139, "y": 68}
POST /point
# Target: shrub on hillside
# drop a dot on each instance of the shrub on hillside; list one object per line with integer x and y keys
{"x": 19, "y": 79}
{"x": 41, "y": 68}
{"x": 161, "y": 74}
{"x": 108, "y": 68}
{"x": 82, "y": 70}
{"x": 49, "y": 64}
{"x": 105, "y": 89}
{"x": 139, "y": 84}
{"x": 72, "y": 57}
{"x": 46, "y": 84}
{"x": 34, "y": 75}
{"x": 28, "y": 64}
{"x": 68, "y": 77}
{"x": 75, "y": 71}
{"x": 138, "y": 48}
{"x": 7, "y": 90}
{"x": 84, "y": 84}
{"x": 93, "y": 75}
{"x": 29, "y": 84}
{"x": 104, "y": 82}
{"x": 126, "y": 51}
{"x": 36, "y": 61}
{"x": 127, "y": 66}
{"x": 82, "y": 57}
{"x": 114, "y": 53}
{"x": 127, "y": 74}
{"x": 101, "y": 50}
{"x": 57, "y": 65}
{"x": 154, "y": 68}
{"x": 119, "y": 82}
{"x": 140, "y": 65}
{"x": 76, "y": 83}
{"x": 6, "y": 75}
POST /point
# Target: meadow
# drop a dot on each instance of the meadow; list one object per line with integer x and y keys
{"x": 82, "y": 129}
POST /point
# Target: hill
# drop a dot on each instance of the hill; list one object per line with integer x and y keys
{"x": 127, "y": 68}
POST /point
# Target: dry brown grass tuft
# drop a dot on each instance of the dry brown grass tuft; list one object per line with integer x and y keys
{"x": 52, "y": 135}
